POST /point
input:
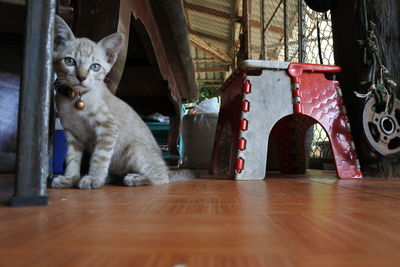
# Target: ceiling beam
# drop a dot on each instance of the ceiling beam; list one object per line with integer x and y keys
{"x": 209, "y": 36}
{"x": 211, "y": 81}
{"x": 207, "y": 10}
{"x": 274, "y": 29}
{"x": 255, "y": 23}
{"x": 212, "y": 69}
{"x": 210, "y": 61}
{"x": 208, "y": 48}
{"x": 204, "y": 60}
{"x": 14, "y": 2}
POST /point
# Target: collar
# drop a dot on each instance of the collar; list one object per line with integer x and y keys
{"x": 67, "y": 91}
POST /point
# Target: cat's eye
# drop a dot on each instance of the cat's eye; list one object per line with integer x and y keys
{"x": 69, "y": 61}
{"x": 95, "y": 67}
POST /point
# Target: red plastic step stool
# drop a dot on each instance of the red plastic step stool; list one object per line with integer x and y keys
{"x": 265, "y": 100}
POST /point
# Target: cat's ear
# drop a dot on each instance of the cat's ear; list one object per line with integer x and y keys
{"x": 112, "y": 45}
{"x": 62, "y": 34}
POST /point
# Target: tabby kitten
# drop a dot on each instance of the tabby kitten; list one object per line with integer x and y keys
{"x": 98, "y": 122}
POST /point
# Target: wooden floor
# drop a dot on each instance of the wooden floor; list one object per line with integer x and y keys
{"x": 292, "y": 221}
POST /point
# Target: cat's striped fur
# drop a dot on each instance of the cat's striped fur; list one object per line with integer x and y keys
{"x": 119, "y": 141}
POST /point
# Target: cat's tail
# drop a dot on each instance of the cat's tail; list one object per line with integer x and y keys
{"x": 182, "y": 174}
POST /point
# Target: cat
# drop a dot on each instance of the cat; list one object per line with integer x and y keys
{"x": 97, "y": 121}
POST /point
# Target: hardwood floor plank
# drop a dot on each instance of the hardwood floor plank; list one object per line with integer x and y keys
{"x": 315, "y": 220}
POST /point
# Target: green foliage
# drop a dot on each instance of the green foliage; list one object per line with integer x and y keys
{"x": 206, "y": 90}
{"x": 209, "y": 90}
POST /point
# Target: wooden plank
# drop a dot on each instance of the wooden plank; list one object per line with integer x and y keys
{"x": 232, "y": 38}
{"x": 14, "y": 2}
{"x": 208, "y": 48}
{"x": 206, "y": 10}
{"x": 209, "y": 36}
{"x": 211, "y": 80}
{"x": 255, "y": 23}
{"x": 204, "y": 60}
{"x": 213, "y": 69}
{"x": 244, "y": 37}
{"x": 313, "y": 220}
{"x": 166, "y": 26}
{"x": 275, "y": 29}
{"x": 97, "y": 19}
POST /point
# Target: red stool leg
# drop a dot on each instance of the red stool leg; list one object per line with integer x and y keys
{"x": 318, "y": 98}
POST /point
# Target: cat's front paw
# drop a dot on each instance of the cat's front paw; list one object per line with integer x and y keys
{"x": 64, "y": 182}
{"x": 90, "y": 182}
{"x": 134, "y": 179}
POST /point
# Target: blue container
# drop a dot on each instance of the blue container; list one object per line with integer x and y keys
{"x": 60, "y": 150}
{"x": 160, "y": 131}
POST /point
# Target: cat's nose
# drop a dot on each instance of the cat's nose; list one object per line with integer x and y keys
{"x": 80, "y": 78}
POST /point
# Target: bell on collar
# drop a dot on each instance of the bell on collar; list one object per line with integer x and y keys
{"x": 79, "y": 104}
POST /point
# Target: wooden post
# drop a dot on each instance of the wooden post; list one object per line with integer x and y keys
{"x": 95, "y": 20}
{"x": 347, "y": 28}
{"x": 262, "y": 20}
{"x": 301, "y": 30}
{"x": 244, "y": 52}
{"x": 34, "y": 106}
{"x": 286, "y": 28}
{"x": 232, "y": 34}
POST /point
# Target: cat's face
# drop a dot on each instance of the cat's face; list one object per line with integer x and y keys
{"x": 79, "y": 62}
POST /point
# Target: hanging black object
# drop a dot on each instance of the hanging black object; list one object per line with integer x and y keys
{"x": 319, "y": 5}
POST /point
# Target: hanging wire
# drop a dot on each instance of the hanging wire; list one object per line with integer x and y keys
{"x": 380, "y": 85}
{"x": 273, "y": 16}
{"x": 321, "y": 61}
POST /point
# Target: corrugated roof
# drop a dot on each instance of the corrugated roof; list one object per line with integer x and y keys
{"x": 215, "y": 43}
{"x": 215, "y": 27}
{"x": 209, "y": 23}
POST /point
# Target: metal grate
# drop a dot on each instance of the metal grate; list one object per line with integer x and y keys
{"x": 290, "y": 33}
{"x": 318, "y": 48}
{"x": 315, "y": 22}
{"x": 210, "y": 25}
{"x": 284, "y": 30}
{"x": 293, "y": 32}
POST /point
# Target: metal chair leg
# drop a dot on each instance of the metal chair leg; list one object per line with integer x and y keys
{"x": 34, "y": 106}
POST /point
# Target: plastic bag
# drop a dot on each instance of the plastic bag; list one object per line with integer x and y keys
{"x": 210, "y": 105}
